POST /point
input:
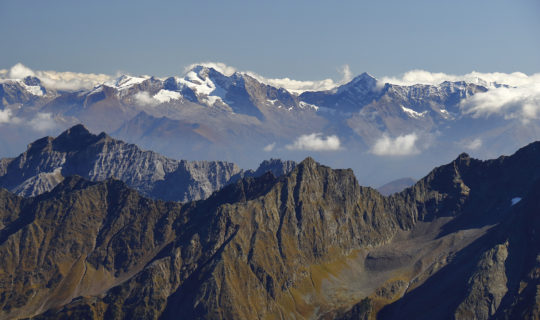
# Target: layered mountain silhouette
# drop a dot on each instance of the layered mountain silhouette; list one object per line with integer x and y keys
{"x": 463, "y": 242}
{"x": 210, "y": 114}
{"x": 76, "y": 151}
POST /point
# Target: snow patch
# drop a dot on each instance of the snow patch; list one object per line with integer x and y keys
{"x": 413, "y": 114}
{"x": 304, "y": 105}
{"x": 208, "y": 92}
{"x": 125, "y": 82}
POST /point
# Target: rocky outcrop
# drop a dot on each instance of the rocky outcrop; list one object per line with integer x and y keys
{"x": 487, "y": 286}
{"x": 99, "y": 157}
{"x": 310, "y": 244}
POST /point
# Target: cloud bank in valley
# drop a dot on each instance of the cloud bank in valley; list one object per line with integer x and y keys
{"x": 315, "y": 142}
{"x": 402, "y": 145}
{"x": 144, "y": 98}
{"x": 42, "y": 122}
{"x": 521, "y": 103}
{"x": 6, "y": 116}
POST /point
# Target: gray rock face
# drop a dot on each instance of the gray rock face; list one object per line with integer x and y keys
{"x": 3, "y": 165}
{"x": 277, "y": 167}
{"x": 312, "y": 244}
{"x": 99, "y": 157}
{"x": 487, "y": 286}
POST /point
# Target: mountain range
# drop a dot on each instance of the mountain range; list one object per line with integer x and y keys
{"x": 210, "y": 113}
{"x": 47, "y": 162}
{"x": 462, "y": 242}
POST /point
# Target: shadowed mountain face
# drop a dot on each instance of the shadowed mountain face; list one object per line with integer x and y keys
{"x": 97, "y": 157}
{"x": 462, "y": 242}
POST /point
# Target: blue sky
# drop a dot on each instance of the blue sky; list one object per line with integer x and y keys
{"x": 297, "y": 39}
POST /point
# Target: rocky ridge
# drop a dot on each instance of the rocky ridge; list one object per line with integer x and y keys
{"x": 76, "y": 151}
{"x": 209, "y": 113}
{"x": 313, "y": 243}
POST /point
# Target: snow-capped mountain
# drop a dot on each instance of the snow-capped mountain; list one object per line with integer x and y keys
{"x": 208, "y": 113}
{"x": 21, "y": 91}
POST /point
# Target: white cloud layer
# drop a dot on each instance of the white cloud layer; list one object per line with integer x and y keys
{"x": 412, "y": 77}
{"x": 315, "y": 142}
{"x": 56, "y": 80}
{"x": 42, "y": 122}
{"x": 400, "y": 146}
{"x": 521, "y": 103}
{"x": 5, "y": 116}
{"x": 269, "y": 147}
{"x": 144, "y": 98}
{"x": 474, "y": 144}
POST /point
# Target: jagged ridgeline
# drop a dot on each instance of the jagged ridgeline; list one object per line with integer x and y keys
{"x": 463, "y": 242}
{"x": 98, "y": 157}
{"x": 212, "y": 113}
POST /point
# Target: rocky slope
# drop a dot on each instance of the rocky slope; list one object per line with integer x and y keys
{"x": 462, "y": 242}
{"x": 97, "y": 157}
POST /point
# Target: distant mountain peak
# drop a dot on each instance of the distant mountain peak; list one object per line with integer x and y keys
{"x": 74, "y": 138}
{"x": 364, "y": 82}
{"x": 77, "y": 131}
{"x": 364, "y": 76}
{"x": 125, "y": 81}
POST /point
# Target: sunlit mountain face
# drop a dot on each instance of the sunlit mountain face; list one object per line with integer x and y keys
{"x": 383, "y": 129}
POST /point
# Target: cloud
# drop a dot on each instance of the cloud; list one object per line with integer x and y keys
{"x": 144, "y": 98}
{"x": 315, "y": 142}
{"x": 346, "y": 73}
{"x": 474, "y": 144}
{"x": 57, "y": 80}
{"x": 20, "y": 71}
{"x": 270, "y": 147}
{"x": 42, "y": 122}
{"x": 521, "y": 103}
{"x": 413, "y": 77}
{"x": 400, "y": 146}
{"x": 5, "y": 116}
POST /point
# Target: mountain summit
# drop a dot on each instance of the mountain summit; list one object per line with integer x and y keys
{"x": 215, "y": 112}
{"x": 461, "y": 243}
{"x": 76, "y": 151}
